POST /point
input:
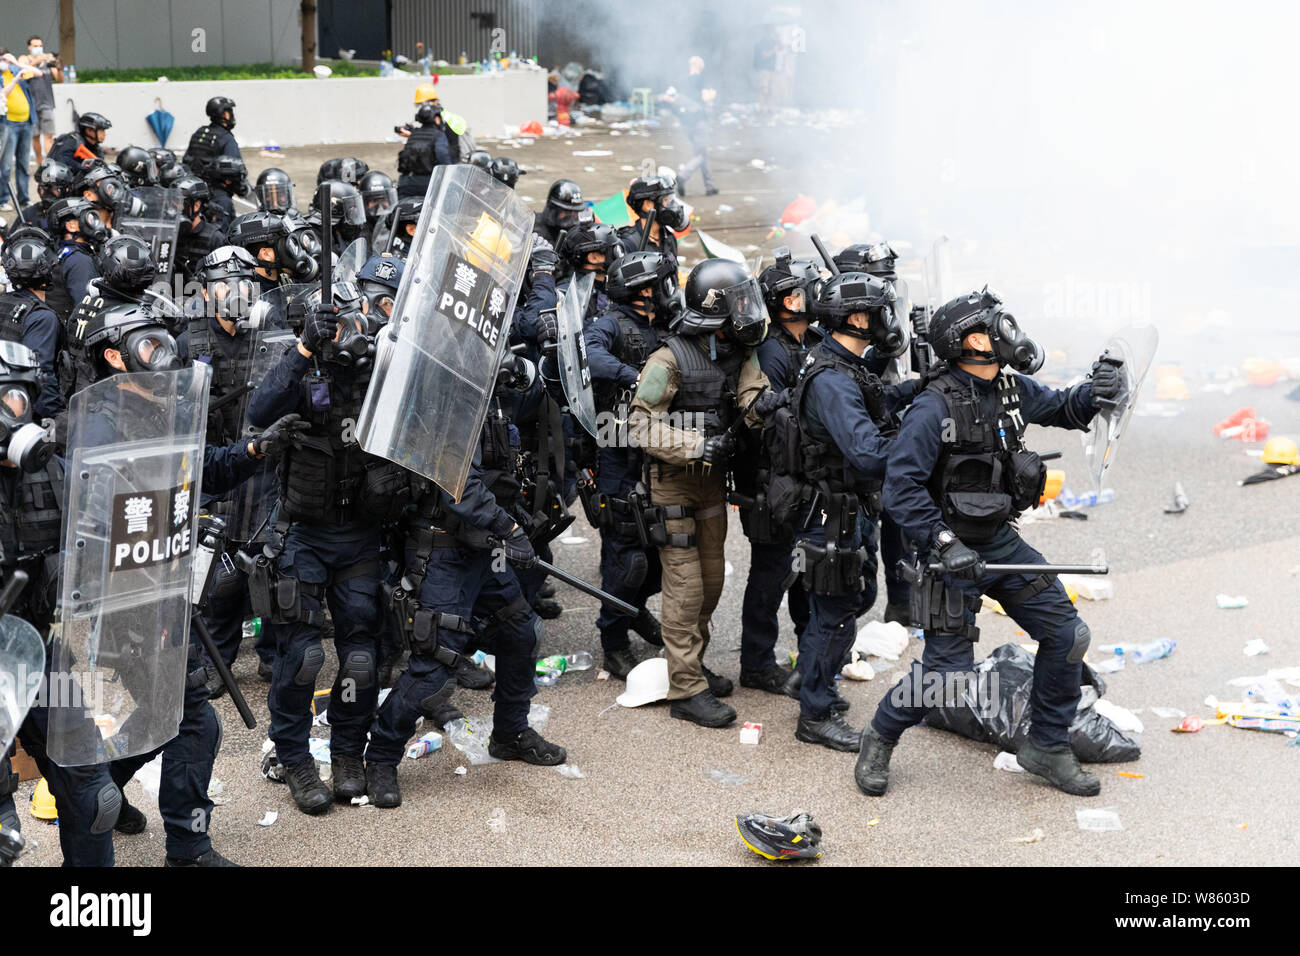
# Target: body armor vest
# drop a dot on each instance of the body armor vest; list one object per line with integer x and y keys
{"x": 417, "y": 157}
{"x": 637, "y": 341}
{"x": 57, "y": 296}
{"x": 984, "y": 476}
{"x": 229, "y": 372}
{"x": 499, "y": 459}
{"x": 708, "y": 386}
{"x": 30, "y": 534}
{"x": 14, "y": 309}
{"x": 205, "y": 146}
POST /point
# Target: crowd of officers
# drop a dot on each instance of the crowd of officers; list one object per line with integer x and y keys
{"x": 782, "y": 395}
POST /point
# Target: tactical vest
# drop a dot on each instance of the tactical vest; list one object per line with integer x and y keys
{"x": 328, "y": 479}
{"x": 229, "y": 372}
{"x": 708, "y": 388}
{"x": 40, "y": 510}
{"x": 984, "y": 477}
{"x": 499, "y": 459}
{"x": 636, "y": 343}
{"x": 30, "y": 534}
{"x": 417, "y": 157}
{"x": 823, "y": 461}
{"x": 14, "y": 309}
{"x": 57, "y": 296}
{"x": 205, "y": 146}
{"x": 796, "y": 353}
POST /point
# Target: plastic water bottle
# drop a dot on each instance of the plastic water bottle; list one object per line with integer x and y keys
{"x": 70, "y": 74}
{"x": 253, "y": 627}
{"x": 1150, "y": 651}
{"x": 549, "y": 670}
{"x": 580, "y": 661}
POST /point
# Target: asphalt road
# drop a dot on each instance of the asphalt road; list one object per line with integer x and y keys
{"x": 1219, "y": 797}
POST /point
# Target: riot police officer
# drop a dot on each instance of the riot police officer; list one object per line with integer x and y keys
{"x": 958, "y": 475}
{"x": 643, "y": 290}
{"x": 505, "y": 170}
{"x": 29, "y": 262}
{"x": 378, "y": 194}
{"x": 197, "y": 236}
{"x": 210, "y": 142}
{"x": 563, "y": 203}
{"x": 103, "y": 187}
{"x": 687, "y": 411}
{"x": 169, "y": 166}
{"x": 53, "y": 181}
{"x": 380, "y": 279}
{"x": 589, "y": 247}
{"x": 654, "y": 192}
{"x": 347, "y": 213}
{"x": 275, "y": 191}
{"x": 138, "y": 167}
{"x": 79, "y": 231}
{"x": 228, "y": 178}
{"x": 342, "y": 169}
{"x": 279, "y": 252}
{"x": 427, "y": 146}
{"x": 395, "y": 231}
{"x": 333, "y": 499}
{"x": 85, "y": 142}
{"x": 844, "y": 417}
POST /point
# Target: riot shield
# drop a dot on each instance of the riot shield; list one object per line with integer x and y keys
{"x": 571, "y": 352}
{"x": 22, "y": 664}
{"x": 436, "y": 361}
{"x": 900, "y": 366}
{"x": 135, "y": 452}
{"x": 1135, "y": 346}
{"x": 936, "y": 276}
{"x": 158, "y": 225}
{"x": 349, "y": 262}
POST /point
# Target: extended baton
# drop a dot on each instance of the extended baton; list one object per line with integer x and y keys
{"x": 1033, "y": 569}
{"x": 585, "y": 588}
{"x": 227, "y": 678}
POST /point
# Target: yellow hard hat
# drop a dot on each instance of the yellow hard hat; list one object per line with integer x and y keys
{"x": 487, "y": 237}
{"x": 425, "y": 92}
{"x": 43, "y": 807}
{"x": 1281, "y": 451}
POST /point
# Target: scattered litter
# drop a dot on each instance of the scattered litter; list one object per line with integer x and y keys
{"x": 872, "y": 823}
{"x": 858, "y": 670}
{"x": 461, "y": 771}
{"x": 361, "y": 801}
{"x": 593, "y": 152}
{"x": 758, "y": 164}
{"x": 726, "y": 778}
{"x": 1089, "y": 587}
{"x": 570, "y": 770}
{"x": 1227, "y": 602}
{"x": 497, "y": 822}
{"x": 1035, "y": 837}
{"x": 602, "y": 675}
{"x": 1098, "y": 820}
{"x": 425, "y": 745}
{"x": 320, "y": 749}
{"x": 1142, "y": 653}
{"x": 150, "y": 776}
{"x": 725, "y": 208}
{"x": 1008, "y": 762}
{"x": 216, "y": 787}
{"x": 1121, "y": 717}
{"x": 878, "y": 639}
{"x": 1110, "y": 665}
{"x": 1180, "y": 500}
{"x": 270, "y": 817}
{"x": 1254, "y": 648}
{"x": 1189, "y": 725}
{"x": 580, "y": 661}
{"x": 470, "y": 735}
{"x": 1166, "y": 713}
{"x": 1130, "y": 774}
{"x": 573, "y": 539}
{"x": 750, "y": 732}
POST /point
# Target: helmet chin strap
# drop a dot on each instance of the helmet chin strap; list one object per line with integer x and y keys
{"x": 973, "y": 357}
{"x": 854, "y": 331}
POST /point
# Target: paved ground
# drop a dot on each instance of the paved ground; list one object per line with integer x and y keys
{"x": 1211, "y": 798}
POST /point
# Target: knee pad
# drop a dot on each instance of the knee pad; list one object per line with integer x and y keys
{"x": 538, "y": 630}
{"x": 108, "y": 804}
{"x": 221, "y": 733}
{"x": 313, "y": 659}
{"x": 359, "y": 667}
{"x": 636, "y": 567}
{"x": 1082, "y": 638}
{"x": 430, "y": 705}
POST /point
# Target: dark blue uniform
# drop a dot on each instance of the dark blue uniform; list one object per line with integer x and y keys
{"x": 836, "y": 412}
{"x": 42, "y": 333}
{"x": 667, "y": 244}
{"x": 1047, "y": 616}
{"x": 597, "y": 305}
{"x": 619, "y": 469}
{"x": 72, "y": 276}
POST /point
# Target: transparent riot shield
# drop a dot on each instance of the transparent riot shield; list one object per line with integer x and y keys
{"x": 436, "y": 361}
{"x": 118, "y": 652}
{"x": 1134, "y": 346}
{"x": 22, "y": 664}
{"x": 900, "y": 366}
{"x": 158, "y": 225}
{"x": 349, "y": 262}
{"x": 936, "y": 276}
{"x": 571, "y": 351}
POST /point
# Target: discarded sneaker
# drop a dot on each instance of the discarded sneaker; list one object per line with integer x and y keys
{"x": 772, "y": 680}
{"x": 619, "y": 663}
{"x": 831, "y": 731}
{"x": 721, "y": 686}
{"x": 871, "y": 773}
{"x": 129, "y": 819}
{"x": 703, "y": 709}
{"x": 306, "y": 787}
{"x": 211, "y": 858}
{"x": 381, "y": 786}
{"x": 349, "y": 776}
{"x": 527, "y": 745}
{"x": 472, "y": 677}
{"x": 1059, "y": 767}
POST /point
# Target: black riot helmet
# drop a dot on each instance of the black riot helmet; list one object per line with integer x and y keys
{"x": 480, "y": 158}
{"x": 850, "y": 293}
{"x": 378, "y": 194}
{"x": 111, "y": 190}
{"x": 232, "y": 171}
{"x": 126, "y": 265}
{"x": 347, "y": 210}
{"x": 563, "y": 203}
{"x": 721, "y": 294}
{"x": 267, "y": 238}
{"x": 22, "y": 441}
{"x": 343, "y": 169}
{"x": 275, "y": 190}
{"x": 29, "y": 258}
{"x": 170, "y": 175}
{"x": 92, "y": 121}
{"x": 505, "y": 170}
{"x": 427, "y": 112}
{"x": 634, "y": 271}
{"x": 648, "y": 187}
{"x": 134, "y": 330}
{"x": 194, "y": 193}
{"x": 586, "y": 237}
{"x": 875, "y": 258}
{"x": 221, "y": 111}
{"x": 229, "y": 276}
{"x": 406, "y": 212}
{"x": 380, "y": 279}
{"x": 63, "y": 212}
{"x": 138, "y": 167}
{"x": 786, "y": 277}
{"x": 983, "y": 312}
{"x": 54, "y": 180}
{"x": 162, "y": 156}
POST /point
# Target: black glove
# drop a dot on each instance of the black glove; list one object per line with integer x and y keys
{"x": 543, "y": 257}
{"x": 718, "y": 448}
{"x": 767, "y": 403}
{"x": 1107, "y": 382}
{"x": 959, "y": 560}
{"x": 519, "y": 550}
{"x": 321, "y": 327}
{"x": 547, "y": 326}
{"x": 281, "y": 433}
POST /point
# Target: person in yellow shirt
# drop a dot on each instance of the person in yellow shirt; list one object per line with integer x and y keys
{"x": 17, "y": 146}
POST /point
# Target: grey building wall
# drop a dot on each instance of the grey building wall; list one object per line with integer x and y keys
{"x": 125, "y": 34}
{"x": 448, "y": 27}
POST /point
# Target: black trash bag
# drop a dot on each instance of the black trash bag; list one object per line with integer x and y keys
{"x": 1005, "y": 720}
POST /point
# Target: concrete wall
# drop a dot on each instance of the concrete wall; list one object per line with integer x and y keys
{"x": 305, "y": 112}
{"x": 123, "y": 34}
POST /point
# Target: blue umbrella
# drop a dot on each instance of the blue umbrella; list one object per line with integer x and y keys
{"x": 161, "y": 122}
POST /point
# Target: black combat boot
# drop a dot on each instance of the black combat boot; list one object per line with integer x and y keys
{"x": 772, "y": 680}
{"x": 831, "y": 731}
{"x": 211, "y": 858}
{"x": 381, "y": 785}
{"x": 1059, "y": 767}
{"x": 703, "y": 709}
{"x": 620, "y": 663}
{"x": 349, "y": 777}
{"x": 872, "y": 769}
{"x": 719, "y": 685}
{"x": 472, "y": 677}
{"x": 527, "y": 745}
{"x": 306, "y": 787}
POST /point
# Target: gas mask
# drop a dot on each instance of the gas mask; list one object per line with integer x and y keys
{"x": 231, "y": 299}
{"x": 93, "y": 229}
{"x": 888, "y": 334}
{"x": 293, "y": 255}
{"x": 380, "y": 300}
{"x": 352, "y": 348}
{"x": 150, "y": 350}
{"x": 114, "y": 194}
{"x": 672, "y": 214}
{"x": 1010, "y": 346}
{"x": 22, "y": 441}
{"x": 515, "y": 373}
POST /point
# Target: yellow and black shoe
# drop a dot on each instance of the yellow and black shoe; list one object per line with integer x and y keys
{"x": 796, "y": 837}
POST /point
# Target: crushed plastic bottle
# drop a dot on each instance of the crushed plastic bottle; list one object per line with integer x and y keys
{"x": 1143, "y": 653}
{"x": 581, "y": 661}
{"x": 549, "y": 670}
{"x": 1273, "y": 694}
{"x": 253, "y": 628}
{"x": 1066, "y": 499}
